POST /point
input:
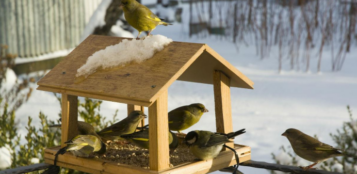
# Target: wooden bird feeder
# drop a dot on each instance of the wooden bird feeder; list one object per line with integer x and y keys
{"x": 145, "y": 85}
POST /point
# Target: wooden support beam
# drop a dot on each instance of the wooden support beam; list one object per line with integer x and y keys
{"x": 222, "y": 99}
{"x": 158, "y": 134}
{"x": 132, "y": 108}
{"x": 69, "y": 117}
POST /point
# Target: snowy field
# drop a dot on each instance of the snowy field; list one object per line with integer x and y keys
{"x": 313, "y": 102}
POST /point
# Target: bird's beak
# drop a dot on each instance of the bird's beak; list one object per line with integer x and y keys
{"x": 284, "y": 134}
{"x": 145, "y": 116}
{"x": 205, "y": 110}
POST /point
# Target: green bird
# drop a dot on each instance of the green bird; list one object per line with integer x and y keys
{"x": 140, "y": 17}
{"x": 83, "y": 146}
{"x": 125, "y": 126}
{"x": 141, "y": 139}
{"x": 185, "y": 116}
{"x": 310, "y": 148}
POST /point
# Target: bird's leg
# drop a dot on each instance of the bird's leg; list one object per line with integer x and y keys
{"x": 236, "y": 156}
{"x": 137, "y": 37}
{"x": 308, "y": 167}
{"x": 149, "y": 33}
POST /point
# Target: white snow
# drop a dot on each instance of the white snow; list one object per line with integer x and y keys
{"x": 9, "y": 81}
{"x": 118, "y": 31}
{"x": 53, "y": 55}
{"x": 35, "y": 160}
{"x": 337, "y": 167}
{"x": 124, "y": 52}
{"x": 168, "y": 14}
{"x": 5, "y": 158}
{"x": 97, "y": 19}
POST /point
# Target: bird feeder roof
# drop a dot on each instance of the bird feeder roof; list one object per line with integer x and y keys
{"x": 139, "y": 83}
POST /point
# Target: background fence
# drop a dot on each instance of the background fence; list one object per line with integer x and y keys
{"x": 35, "y": 27}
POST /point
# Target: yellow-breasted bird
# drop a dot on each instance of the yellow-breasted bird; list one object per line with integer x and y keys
{"x": 140, "y": 17}
{"x": 310, "y": 148}
{"x": 125, "y": 126}
{"x": 141, "y": 139}
{"x": 83, "y": 146}
{"x": 185, "y": 116}
{"x": 207, "y": 145}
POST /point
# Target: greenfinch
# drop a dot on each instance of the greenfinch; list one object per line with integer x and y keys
{"x": 141, "y": 139}
{"x": 207, "y": 145}
{"x": 125, "y": 126}
{"x": 83, "y": 146}
{"x": 309, "y": 148}
{"x": 140, "y": 17}
{"x": 185, "y": 116}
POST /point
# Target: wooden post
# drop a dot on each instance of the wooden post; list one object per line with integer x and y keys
{"x": 69, "y": 117}
{"x": 132, "y": 108}
{"x": 158, "y": 134}
{"x": 222, "y": 99}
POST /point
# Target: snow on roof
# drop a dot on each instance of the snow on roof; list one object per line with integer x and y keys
{"x": 124, "y": 52}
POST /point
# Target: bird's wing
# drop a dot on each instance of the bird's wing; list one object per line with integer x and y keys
{"x": 148, "y": 13}
{"x": 216, "y": 139}
{"x": 117, "y": 127}
{"x": 309, "y": 143}
{"x": 325, "y": 147}
{"x": 139, "y": 136}
{"x": 179, "y": 115}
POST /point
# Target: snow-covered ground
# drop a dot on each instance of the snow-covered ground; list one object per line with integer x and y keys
{"x": 313, "y": 102}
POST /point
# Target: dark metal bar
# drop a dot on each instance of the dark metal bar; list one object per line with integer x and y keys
{"x": 26, "y": 169}
{"x": 283, "y": 168}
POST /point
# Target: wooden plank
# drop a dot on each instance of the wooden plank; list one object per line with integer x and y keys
{"x": 201, "y": 70}
{"x": 243, "y": 82}
{"x": 69, "y": 117}
{"x": 132, "y": 108}
{"x": 222, "y": 100}
{"x": 143, "y": 81}
{"x": 91, "y": 164}
{"x": 224, "y": 159}
{"x": 101, "y": 97}
{"x": 137, "y": 81}
{"x": 158, "y": 134}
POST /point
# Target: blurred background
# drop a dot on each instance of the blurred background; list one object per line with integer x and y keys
{"x": 301, "y": 54}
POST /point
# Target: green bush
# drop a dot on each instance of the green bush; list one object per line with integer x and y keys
{"x": 31, "y": 150}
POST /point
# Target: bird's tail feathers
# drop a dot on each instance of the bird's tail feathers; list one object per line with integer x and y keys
{"x": 55, "y": 125}
{"x": 164, "y": 23}
{"x": 234, "y": 134}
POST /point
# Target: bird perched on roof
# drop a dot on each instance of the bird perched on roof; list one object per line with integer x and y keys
{"x": 185, "y": 116}
{"x": 140, "y": 17}
{"x": 125, "y": 126}
{"x": 141, "y": 139}
{"x": 83, "y": 146}
{"x": 310, "y": 148}
{"x": 207, "y": 145}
